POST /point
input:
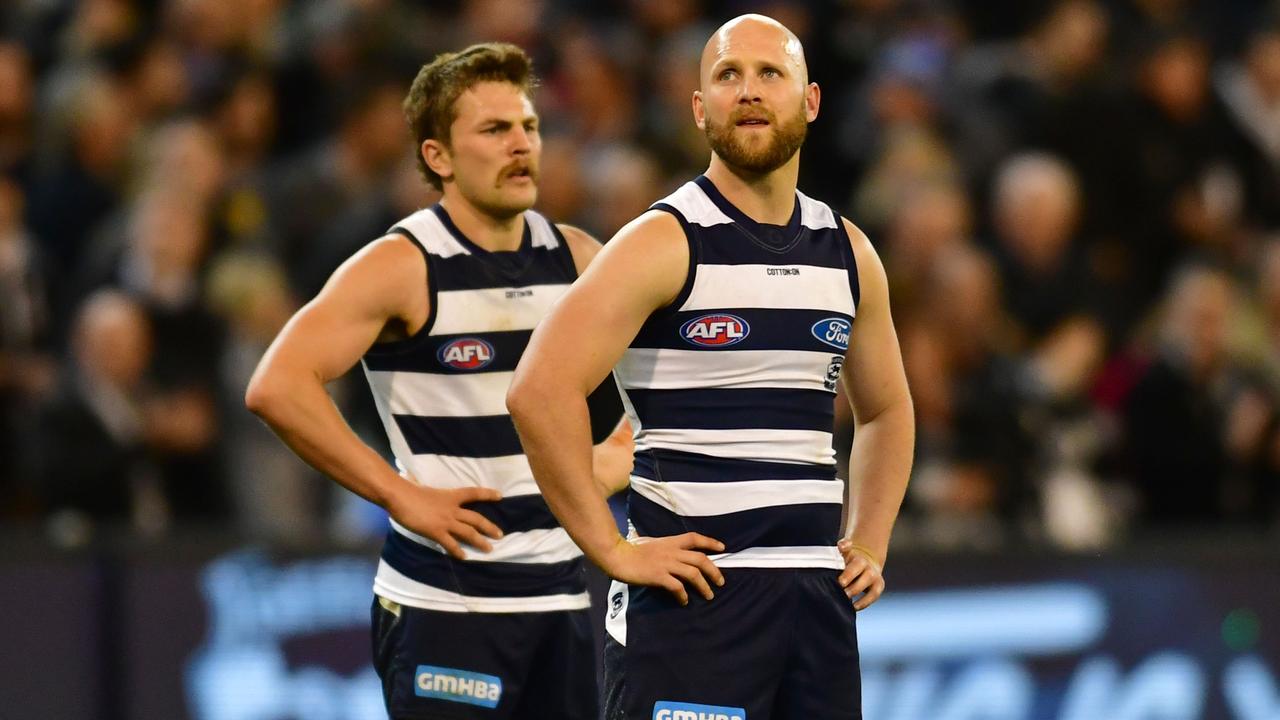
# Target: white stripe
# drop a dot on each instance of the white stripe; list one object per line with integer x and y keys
{"x": 415, "y": 393}
{"x": 694, "y": 499}
{"x": 695, "y": 206}
{"x": 392, "y": 585}
{"x": 812, "y": 556}
{"x": 757, "y": 444}
{"x": 813, "y": 214}
{"x": 549, "y": 545}
{"x": 508, "y": 474}
{"x": 490, "y": 310}
{"x": 434, "y": 236}
{"x": 666, "y": 369}
{"x": 750, "y": 286}
{"x": 540, "y": 230}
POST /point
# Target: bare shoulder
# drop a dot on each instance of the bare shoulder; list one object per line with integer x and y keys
{"x": 649, "y": 255}
{"x": 388, "y": 276}
{"x": 871, "y": 276}
{"x": 582, "y": 246}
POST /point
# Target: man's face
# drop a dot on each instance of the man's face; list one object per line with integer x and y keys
{"x": 755, "y": 104}
{"x": 494, "y": 149}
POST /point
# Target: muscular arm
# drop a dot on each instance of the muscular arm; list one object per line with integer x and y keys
{"x": 611, "y": 458}
{"x": 572, "y": 350}
{"x": 884, "y": 428}
{"x": 376, "y": 291}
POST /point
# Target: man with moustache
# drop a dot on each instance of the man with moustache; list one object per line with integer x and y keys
{"x": 726, "y": 313}
{"x": 480, "y": 597}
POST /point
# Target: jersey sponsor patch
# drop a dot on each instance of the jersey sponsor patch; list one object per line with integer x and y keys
{"x": 668, "y": 710}
{"x": 457, "y": 686}
{"x": 466, "y": 354}
{"x": 715, "y": 330}
{"x": 833, "y": 331}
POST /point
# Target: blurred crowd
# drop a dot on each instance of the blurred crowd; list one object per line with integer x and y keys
{"x": 1077, "y": 203}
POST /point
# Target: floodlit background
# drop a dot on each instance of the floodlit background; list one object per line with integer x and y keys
{"x": 1077, "y": 202}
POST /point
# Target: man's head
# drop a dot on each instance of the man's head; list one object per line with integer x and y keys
{"x": 755, "y": 101}
{"x": 475, "y": 127}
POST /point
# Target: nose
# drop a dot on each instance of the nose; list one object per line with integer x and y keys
{"x": 748, "y": 92}
{"x": 521, "y": 144}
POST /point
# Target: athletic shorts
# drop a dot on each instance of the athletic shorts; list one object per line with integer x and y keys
{"x": 496, "y": 666}
{"x": 774, "y": 644}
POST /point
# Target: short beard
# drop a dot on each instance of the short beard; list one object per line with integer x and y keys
{"x": 782, "y": 146}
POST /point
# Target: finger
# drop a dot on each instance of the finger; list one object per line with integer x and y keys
{"x": 860, "y": 584}
{"x": 693, "y": 576}
{"x": 451, "y": 546}
{"x": 872, "y": 594}
{"x": 853, "y": 568}
{"x": 476, "y": 494}
{"x": 696, "y": 541}
{"x": 704, "y": 565}
{"x": 471, "y": 536}
{"x": 480, "y": 522}
{"x": 675, "y": 587}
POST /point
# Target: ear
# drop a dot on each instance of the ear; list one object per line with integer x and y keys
{"x": 699, "y": 112}
{"x": 437, "y": 157}
{"x": 812, "y": 98}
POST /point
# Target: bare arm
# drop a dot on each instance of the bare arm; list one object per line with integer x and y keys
{"x": 884, "y": 429}
{"x": 572, "y": 350}
{"x": 378, "y": 291}
{"x": 611, "y": 459}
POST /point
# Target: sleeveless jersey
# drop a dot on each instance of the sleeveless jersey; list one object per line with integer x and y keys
{"x": 730, "y": 389}
{"x": 441, "y": 395}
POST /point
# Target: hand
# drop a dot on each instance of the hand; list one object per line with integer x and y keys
{"x": 862, "y": 574}
{"x": 440, "y": 516}
{"x": 666, "y": 562}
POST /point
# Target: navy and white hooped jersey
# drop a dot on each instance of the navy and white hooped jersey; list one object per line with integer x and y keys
{"x": 442, "y": 398}
{"x": 730, "y": 389}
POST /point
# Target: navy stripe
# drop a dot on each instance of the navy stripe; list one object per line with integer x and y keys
{"x": 480, "y": 436}
{"x": 424, "y": 355}
{"x": 518, "y": 513}
{"x": 719, "y": 409}
{"x": 767, "y": 329}
{"x": 482, "y": 579}
{"x": 723, "y": 245}
{"x": 675, "y": 466}
{"x": 467, "y": 272}
{"x": 779, "y": 526}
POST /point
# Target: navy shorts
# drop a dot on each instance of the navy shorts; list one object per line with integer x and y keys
{"x": 774, "y": 644}
{"x": 463, "y": 666}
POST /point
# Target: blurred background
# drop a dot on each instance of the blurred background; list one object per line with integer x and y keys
{"x": 1077, "y": 203}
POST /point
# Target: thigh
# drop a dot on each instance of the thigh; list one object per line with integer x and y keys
{"x": 823, "y": 676}
{"x": 562, "y": 680}
{"x": 452, "y": 666}
{"x": 722, "y": 658}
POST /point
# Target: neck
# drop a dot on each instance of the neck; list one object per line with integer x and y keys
{"x": 491, "y": 233}
{"x": 766, "y": 198}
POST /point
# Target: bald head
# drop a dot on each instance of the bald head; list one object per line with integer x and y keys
{"x": 750, "y": 36}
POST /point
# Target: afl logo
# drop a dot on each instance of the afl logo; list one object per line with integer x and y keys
{"x": 715, "y": 330}
{"x": 833, "y": 331}
{"x": 466, "y": 354}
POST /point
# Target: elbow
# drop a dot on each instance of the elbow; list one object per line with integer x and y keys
{"x": 520, "y": 398}
{"x": 262, "y": 395}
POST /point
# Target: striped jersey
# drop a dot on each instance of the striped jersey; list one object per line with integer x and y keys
{"x": 441, "y": 395}
{"x": 730, "y": 389}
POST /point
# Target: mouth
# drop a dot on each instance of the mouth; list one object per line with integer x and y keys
{"x": 753, "y": 122}
{"x": 519, "y": 174}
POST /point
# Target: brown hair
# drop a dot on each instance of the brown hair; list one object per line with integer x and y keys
{"x": 430, "y": 106}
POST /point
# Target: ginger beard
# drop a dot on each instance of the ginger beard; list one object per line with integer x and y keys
{"x": 748, "y": 154}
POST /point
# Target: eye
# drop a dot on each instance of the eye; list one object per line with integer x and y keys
{"x": 771, "y": 73}
{"x": 726, "y": 74}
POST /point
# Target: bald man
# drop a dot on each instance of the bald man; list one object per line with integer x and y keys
{"x": 727, "y": 314}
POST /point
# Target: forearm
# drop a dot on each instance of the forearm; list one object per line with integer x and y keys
{"x": 304, "y": 416}
{"x": 879, "y": 466}
{"x": 555, "y": 431}
{"x": 611, "y": 460}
